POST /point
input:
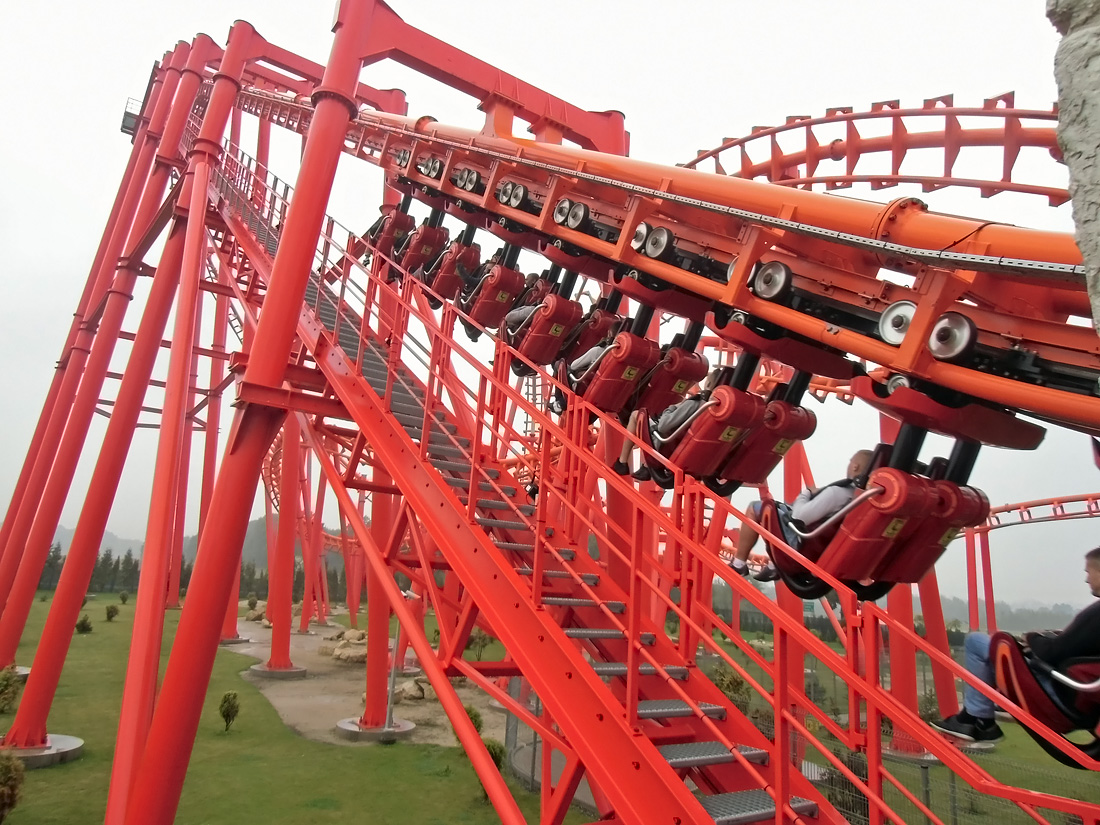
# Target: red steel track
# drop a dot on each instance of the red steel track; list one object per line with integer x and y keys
{"x": 351, "y": 357}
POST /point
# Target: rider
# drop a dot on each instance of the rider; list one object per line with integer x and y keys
{"x": 813, "y": 506}
{"x": 1080, "y": 638}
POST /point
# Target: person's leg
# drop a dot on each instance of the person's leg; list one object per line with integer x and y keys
{"x": 746, "y": 539}
{"x": 976, "y": 660}
{"x": 975, "y": 722}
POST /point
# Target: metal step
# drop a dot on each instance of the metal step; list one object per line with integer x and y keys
{"x": 503, "y": 524}
{"x": 408, "y": 409}
{"x": 569, "y": 601}
{"x": 754, "y": 805}
{"x": 445, "y": 450}
{"x": 439, "y": 437}
{"x": 700, "y": 754}
{"x": 645, "y": 669}
{"x": 605, "y": 633}
{"x": 460, "y": 467}
{"x": 526, "y": 547}
{"x": 410, "y": 422}
{"x": 494, "y": 504}
{"x": 676, "y": 709}
{"x": 587, "y": 578}
{"x": 464, "y": 483}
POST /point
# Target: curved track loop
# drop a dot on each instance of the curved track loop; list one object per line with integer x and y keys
{"x": 942, "y": 127}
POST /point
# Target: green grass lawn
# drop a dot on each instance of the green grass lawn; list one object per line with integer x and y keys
{"x": 258, "y": 772}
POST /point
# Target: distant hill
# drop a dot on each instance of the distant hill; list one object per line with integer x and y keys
{"x": 64, "y": 537}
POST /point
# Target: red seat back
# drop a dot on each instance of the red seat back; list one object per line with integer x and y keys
{"x": 673, "y": 376}
{"x": 495, "y": 295}
{"x": 715, "y": 431}
{"x": 609, "y": 385}
{"x": 784, "y": 423}
{"x": 447, "y": 281}
{"x": 423, "y": 246}
{"x": 1015, "y": 679}
{"x": 395, "y": 226}
{"x": 542, "y": 340}
{"x": 595, "y": 328}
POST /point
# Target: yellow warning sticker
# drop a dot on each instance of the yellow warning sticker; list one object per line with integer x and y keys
{"x": 630, "y": 373}
{"x": 399, "y": 233}
{"x": 503, "y": 296}
{"x": 782, "y": 446}
{"x": 729, "y": 434}
{"x": 426, "y": 249}
{"x": 679, "y": 387}
{"x": 949, "y": 536}
{"x": 557, "y": 330}
{"x": 893, "y": 528}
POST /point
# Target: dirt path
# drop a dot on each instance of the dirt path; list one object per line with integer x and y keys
{"x": 333, "y": 690}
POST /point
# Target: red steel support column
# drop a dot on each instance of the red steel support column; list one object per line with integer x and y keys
{"x": 179, "y": 516}
{"x": 280, "y": 576}
{"x": 159, "y": 780}
{"x": 143, "y": 666}
{"x": 28, "y": 729}
{"x": 311, "y": 557}
{"x": 378, "y": 612}
{"x": 57, "y": 432}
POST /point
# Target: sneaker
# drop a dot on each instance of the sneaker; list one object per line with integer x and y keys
{"x": 987, "y": 730}
{"x": 952, "y": 726}
{"x": 768, "y": 573}
{"x": 743, "y": 570}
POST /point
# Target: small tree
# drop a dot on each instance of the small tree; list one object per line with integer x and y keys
{"x": 84, "y": 625}
{"x": 252, "y": 601}
{"x": 11, "y": 782}
{"x": 478, "y": 641}
{"x": 475, "y": 718}
{"x": 229, "y": 708}
{"x": 496, "y": 750}
{"x": 124, "y": 597}
{"x": 9, "y": 688}
{"x": 112, "y": 611}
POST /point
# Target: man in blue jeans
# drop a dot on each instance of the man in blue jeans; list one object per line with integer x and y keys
{"x": 1081, "y": 637}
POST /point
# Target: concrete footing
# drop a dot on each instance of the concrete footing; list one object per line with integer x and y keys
{"x": 59, "y": 748}
{"x": 350, "y": 729}
{"x": 266, "y": 672}
{"x": 238, "y": 640}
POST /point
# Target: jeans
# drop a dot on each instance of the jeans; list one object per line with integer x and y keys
{"x": 784, "y": 510}
{"x": 976, "y": 660}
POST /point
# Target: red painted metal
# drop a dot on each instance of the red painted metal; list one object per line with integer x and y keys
{"x": 440, "y": 436}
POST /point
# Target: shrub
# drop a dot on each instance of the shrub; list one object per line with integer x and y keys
{"x": 43, "y": 598}
{"x": 112, "y": 611}
{"x": 252, "y": 601}
{"x": 843, "y": 793}
{"x": 84, "y": 625}
{"x": 9, "y": 688}
{"x": 497, "y": 751}
{"x": 475, "y": 718}
{"x": 737, "y": 690}
{"x": 929, "y": 707}
{"x": 11, "y": 782}
{"x": 229, "y": 708}
{"x": 124, "y": 597}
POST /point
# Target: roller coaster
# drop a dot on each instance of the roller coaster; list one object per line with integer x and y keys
{"x": 550, "y": 457}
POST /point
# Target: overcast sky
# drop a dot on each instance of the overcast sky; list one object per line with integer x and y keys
{"x": 685, "y": 76}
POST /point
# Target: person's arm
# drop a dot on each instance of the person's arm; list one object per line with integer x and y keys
{"x": 1081, "y": 637}
{"x": 811, "y": 511}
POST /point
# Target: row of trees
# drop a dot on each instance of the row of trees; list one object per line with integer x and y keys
{"x": 115, "y": 574}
